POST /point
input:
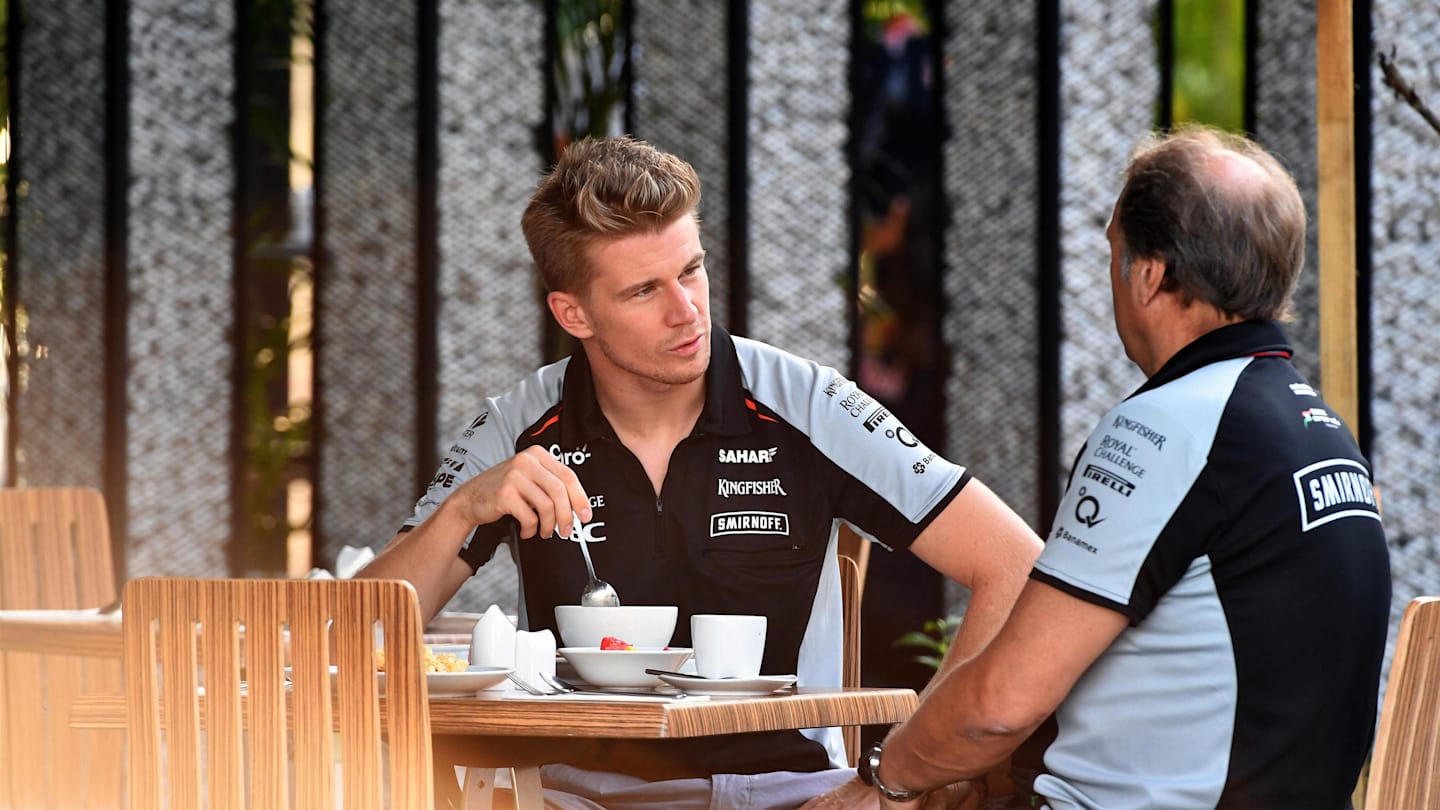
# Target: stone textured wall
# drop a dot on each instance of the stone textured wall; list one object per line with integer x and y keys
{"x": 492, "y": 101}
{"x": 61, "y": 251}
{"x": 1405, "y": 183}
{"x": 366, "y": 289}
{"x": 182, "y": 308}
{"x": 681, "y": 94}
{"x": 991, "y": 325}
{"x": 799, "y": 176}
{"x": 991, "y": 322}
{"x": 1108, "y": 86}
{"x": 1285, "y": 124}
{"x": 179, "y": 356}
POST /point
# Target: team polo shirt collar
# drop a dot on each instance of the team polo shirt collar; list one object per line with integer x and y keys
{"x": 1244, "y": 339}
{"x": 581, "y": 419}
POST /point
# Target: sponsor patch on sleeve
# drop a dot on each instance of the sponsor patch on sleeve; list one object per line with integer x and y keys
{"x": 1333, "y": 489}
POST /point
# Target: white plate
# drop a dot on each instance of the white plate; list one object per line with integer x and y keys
{"x": 439, "y": 684}
{"x": 467, "y": 682}
{"x": 696, "y": 685}
{"x": 623, "y": 668}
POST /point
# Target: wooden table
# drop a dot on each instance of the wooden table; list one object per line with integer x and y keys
{"x": 493, "y": 732}
{"x": 487, "y": 731}
{"x": 87, "y": 633}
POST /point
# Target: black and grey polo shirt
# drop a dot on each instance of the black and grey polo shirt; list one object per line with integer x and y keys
{"x": 747, "y": 517}
{"x": 1229, "y": 515}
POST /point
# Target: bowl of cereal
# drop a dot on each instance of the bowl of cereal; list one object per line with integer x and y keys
{"x": 638, "y": 625}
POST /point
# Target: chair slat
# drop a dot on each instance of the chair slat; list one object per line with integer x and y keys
{"x": 310, "y": 670}
{"x": 359, "y": 699}
{"x": 224, "y": 738}
{"x": 142, "y": 700}
{"x": 1403, "y": 771}
{"x": 180, "y": 701}
{"x": 409, "y": 721}
{"x": 265, "y": 625}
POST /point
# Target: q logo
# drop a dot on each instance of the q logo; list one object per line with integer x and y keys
{"x": 1087, "y": 510}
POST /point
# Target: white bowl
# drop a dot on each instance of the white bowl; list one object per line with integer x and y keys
{"x": 638, "y": 625}
{"x": 623, "y": 668}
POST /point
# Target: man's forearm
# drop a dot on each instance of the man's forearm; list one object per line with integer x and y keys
{"x": 427, "y": 558}
{"x": 952, "y": 737}
{"x": 985, "y": 614}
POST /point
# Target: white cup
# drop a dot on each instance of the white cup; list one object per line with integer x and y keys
{"x": 727, "y": 645}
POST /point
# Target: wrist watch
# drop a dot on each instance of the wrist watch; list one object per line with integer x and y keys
{"x": 870, "y": 767}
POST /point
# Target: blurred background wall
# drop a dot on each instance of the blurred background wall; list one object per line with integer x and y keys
{"x": 262, "y": 259}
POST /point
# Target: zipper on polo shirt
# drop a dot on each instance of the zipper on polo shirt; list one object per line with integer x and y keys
{"x": 659, "y": 525}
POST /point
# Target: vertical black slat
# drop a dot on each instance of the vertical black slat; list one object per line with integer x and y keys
{"x": 11, "y": 281}
{"x": 1252, "y": 71}
{"x": 551, "y": 335}
{"x": 1364, "y": 247}
{"x": 318, "y": 264}
{"x": 627, "y": 64}
{"x": 545, "y": 137}
{"x": 261, "y": 264}
{"x": 737, "y": 111}
{"x": 939, "y": 35}
{"x": 241, "y": 211}
{"x": 1048, "y": 233}
{"x": 1165, "y": 55}
{"x": 117, "y": 290}
{"x": 427, "y": 243}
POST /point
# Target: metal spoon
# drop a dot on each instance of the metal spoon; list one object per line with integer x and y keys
{"x": 598, "y": 592}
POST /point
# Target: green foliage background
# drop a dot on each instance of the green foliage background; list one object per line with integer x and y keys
{"x": 1210, "y": 63}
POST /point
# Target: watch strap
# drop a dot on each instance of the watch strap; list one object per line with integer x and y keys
{"x": 872, "y": 763}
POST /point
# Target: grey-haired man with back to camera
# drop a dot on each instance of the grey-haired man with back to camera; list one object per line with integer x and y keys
{"x": 1208, "y": 618}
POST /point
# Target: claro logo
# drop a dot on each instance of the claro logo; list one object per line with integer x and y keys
{"x": 570, "y": 458}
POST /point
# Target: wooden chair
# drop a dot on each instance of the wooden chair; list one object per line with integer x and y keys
{"x": 54, "y": 550}
{"x": 204, "y": 699}
{"x": 55, "y": 555}
{"x": 1405, "y": 768}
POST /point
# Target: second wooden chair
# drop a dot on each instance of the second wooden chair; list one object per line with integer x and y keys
{"x": 210, "y": 697}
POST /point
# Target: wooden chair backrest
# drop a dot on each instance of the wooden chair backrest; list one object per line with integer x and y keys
{"x": 54, "y": 550}
{"x": 851, "y": 588}
{"x": 1405, "y": 768}
{"x": 55, "y": 555}
{"x": 232, "y": 637}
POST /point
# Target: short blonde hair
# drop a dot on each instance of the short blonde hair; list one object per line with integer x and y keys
{"x": 603, "y": 188}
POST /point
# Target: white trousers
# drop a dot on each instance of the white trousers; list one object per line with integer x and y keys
{"x": 570, "y": 788}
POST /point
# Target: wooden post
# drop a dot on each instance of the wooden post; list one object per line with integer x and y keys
{"x": 1335, "y": 114}
{"x": 1335, "y": 103}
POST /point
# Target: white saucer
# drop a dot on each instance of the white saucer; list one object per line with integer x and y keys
{"x": 761, "y": 685}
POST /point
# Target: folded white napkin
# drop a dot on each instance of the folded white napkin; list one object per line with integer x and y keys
{"x": 492, "y": 642}
{"x": 534, "y": 656}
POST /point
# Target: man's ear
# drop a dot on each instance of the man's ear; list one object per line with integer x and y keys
{"x": 570, "y": 313}
{"x": 1146, "y": 277}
